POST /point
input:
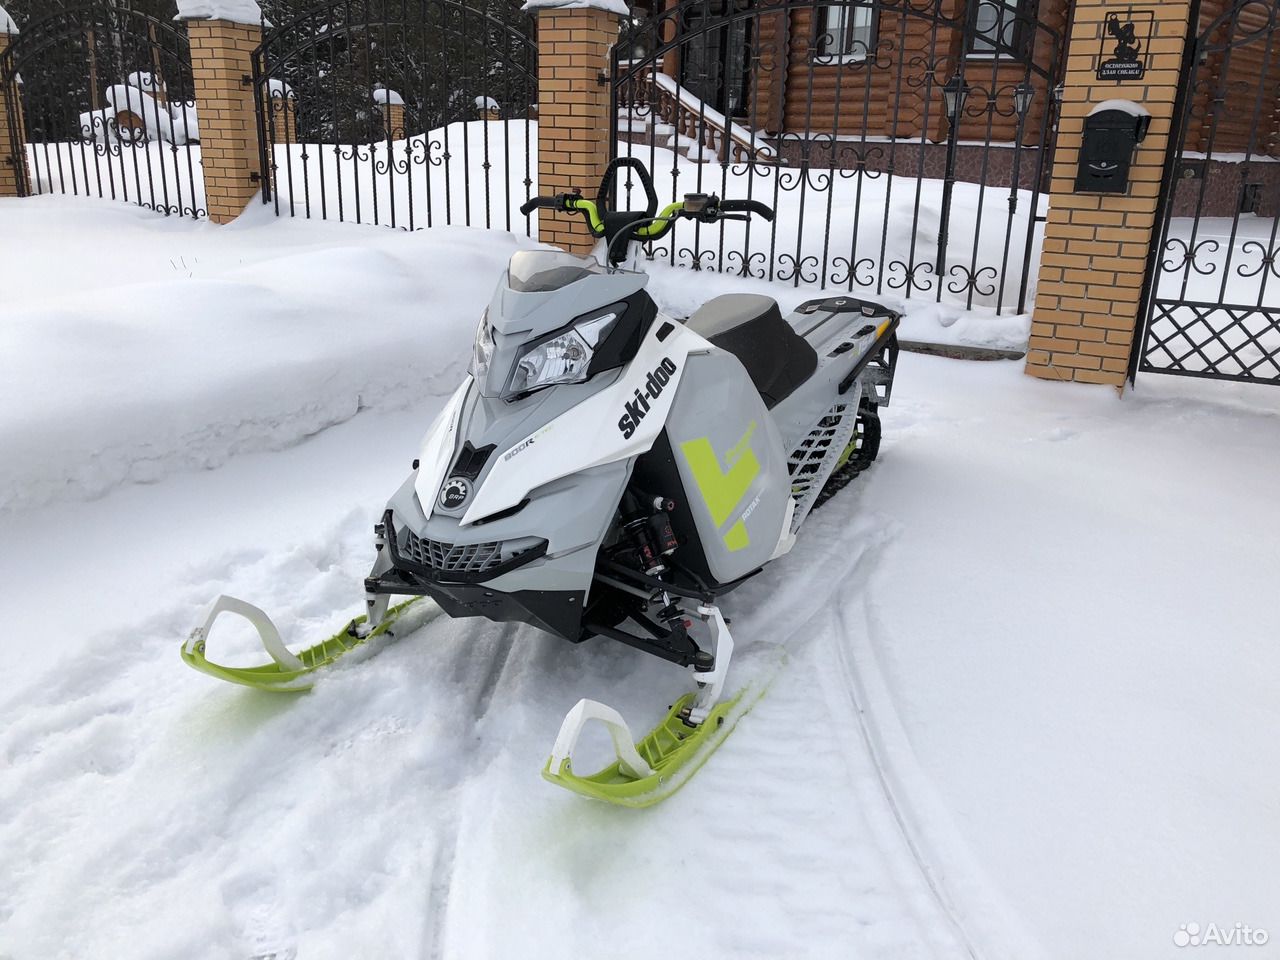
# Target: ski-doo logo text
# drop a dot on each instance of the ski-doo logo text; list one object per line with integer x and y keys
{"x": 455, "y": 492}
{"x": 638, "y": 408}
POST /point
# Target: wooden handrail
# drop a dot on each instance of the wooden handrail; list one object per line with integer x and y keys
{"x": 659, "y": 94}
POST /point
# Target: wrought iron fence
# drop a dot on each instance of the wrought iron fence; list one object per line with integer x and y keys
{"x": 1214, "y": 284}
{"x": 903, "y": 145}
{"x": 408, "y": 114}
{"x": 106, "y": 107}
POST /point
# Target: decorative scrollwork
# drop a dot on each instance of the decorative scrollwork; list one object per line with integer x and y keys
{"x": 694, "y": 258}
{"x": 359, "y": 152}
{"x": 902, "y": 275}
{"x": 1184, "y": 255}
{"x": 855, "y": 161}
{"x": 1266, "y": 262}
{"x": 970, "y": 281}
{"x": 803, "y": 269}
{"x": 746, "y": 260}
{"x": 859, "y": 273}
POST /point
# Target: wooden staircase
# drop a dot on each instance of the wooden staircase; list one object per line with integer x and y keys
{"x": 659, "y": 111}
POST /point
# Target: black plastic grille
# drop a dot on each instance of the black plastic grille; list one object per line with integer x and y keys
{"x": 465, "y": 558}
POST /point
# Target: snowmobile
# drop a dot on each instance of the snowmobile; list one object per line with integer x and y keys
{"x": 606, "y": 470}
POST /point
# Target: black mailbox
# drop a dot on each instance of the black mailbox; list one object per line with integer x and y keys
{"x": 1111, "y": 131}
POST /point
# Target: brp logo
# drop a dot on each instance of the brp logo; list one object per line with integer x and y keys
{"x": 455, "y": 492}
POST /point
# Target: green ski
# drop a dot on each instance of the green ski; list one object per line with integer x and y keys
{"x": 647, "y": 772}
{"x": 288, "y": 672}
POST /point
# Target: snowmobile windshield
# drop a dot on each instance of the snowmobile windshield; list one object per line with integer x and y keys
{"x": 538, "y": 271}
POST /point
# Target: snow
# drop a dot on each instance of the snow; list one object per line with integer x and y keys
{"x": 365, "y": 177}
{"x": 609, "y": 6}
{"x": 144, "y": 81}
{"x": 143, "y": 171}
{"x": 160, "y": 124}
{"x": 185, "y": 343}
{"x": 6, "y": 23}
{"x": 415, "y": 182}
{"x": 486, "y": 103}
{"x": 1025, "y": 712}
{"x": 278, "y": 88}
{"x": 233, "y": 11}
{"x": 388, "y": 97}
{"x": 1124, "y": 106}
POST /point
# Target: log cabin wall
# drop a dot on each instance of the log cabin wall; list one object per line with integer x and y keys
{"x": 1234, "y": 112}
{"x": 1246, "y": 76}
{"x": 799, "y": 92}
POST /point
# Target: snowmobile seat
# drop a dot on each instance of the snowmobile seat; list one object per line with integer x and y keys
{"x": 751, "y": 327}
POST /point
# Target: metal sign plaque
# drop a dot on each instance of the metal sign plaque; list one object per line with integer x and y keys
{"x": 1125, "y": 37}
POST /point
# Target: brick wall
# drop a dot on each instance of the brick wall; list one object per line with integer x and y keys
{"x": 9, "y": 171}
{"x": 573, "y": 114}
{"x": 284, "y": 118}
{"x": 221, "y": 56}
{"x": 393, "y": 120}
{"x": 1096, "y": 245}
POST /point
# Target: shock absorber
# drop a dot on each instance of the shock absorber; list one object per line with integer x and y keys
{"x": 648, "y": 531}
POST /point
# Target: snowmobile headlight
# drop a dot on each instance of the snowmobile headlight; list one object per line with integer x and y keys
{"x": 482, "y": 349}
{"x": 563, "y": 357}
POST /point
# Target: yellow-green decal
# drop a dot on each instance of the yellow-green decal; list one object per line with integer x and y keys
{"x": 724, "y": 487}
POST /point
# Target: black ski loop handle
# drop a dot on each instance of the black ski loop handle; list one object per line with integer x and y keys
{"x": 609, "y": 183}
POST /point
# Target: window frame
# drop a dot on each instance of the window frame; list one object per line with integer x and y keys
{"x": 1013, "y": 51}
{"x": 850, "y": 12}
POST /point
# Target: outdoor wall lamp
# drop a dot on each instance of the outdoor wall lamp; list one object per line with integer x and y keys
{"x": 1023, "y": 94}
{"x": 954, "y": 92}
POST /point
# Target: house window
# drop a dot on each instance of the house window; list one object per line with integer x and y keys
{"x": 847, "y": 32}
{"x": 996, "y": 29}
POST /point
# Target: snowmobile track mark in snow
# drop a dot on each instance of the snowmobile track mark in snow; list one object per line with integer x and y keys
{"x": 853, "y": 688}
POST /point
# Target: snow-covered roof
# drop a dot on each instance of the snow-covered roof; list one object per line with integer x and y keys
{"x": 486, "y": 103}
{"x": 389, "y": 97}
{"x": 233, "y": 11}
{"x": 6, "y": 23}
{"x": 610, "y": 6}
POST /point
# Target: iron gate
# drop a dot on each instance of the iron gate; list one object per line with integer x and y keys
{"x": 409, "y": 114}
{"x": 904, "y": 146}
{"x": 106, "y": 107}
{"x": 1212, "y": 308}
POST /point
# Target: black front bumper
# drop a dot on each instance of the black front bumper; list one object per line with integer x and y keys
{"x": 465, "y": 593}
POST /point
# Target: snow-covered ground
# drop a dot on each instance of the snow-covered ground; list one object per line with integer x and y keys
{"x": 1028, "y": 708}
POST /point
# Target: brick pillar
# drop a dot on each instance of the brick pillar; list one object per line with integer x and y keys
{"x": 393, "y": 120}
{"x": 11, "y": 169}
{"x": 1095, "y": 245}
{"x": 221, "y": 56}
{"x": 573, "y": 113}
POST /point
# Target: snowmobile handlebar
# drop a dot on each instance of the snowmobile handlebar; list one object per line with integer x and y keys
{"x": 620, "y": 227}
{"x": 747, "y": 206}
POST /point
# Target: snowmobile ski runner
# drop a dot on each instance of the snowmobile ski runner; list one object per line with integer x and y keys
{"x": 605, "y": 470}
{"x": 288, "y": 671}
